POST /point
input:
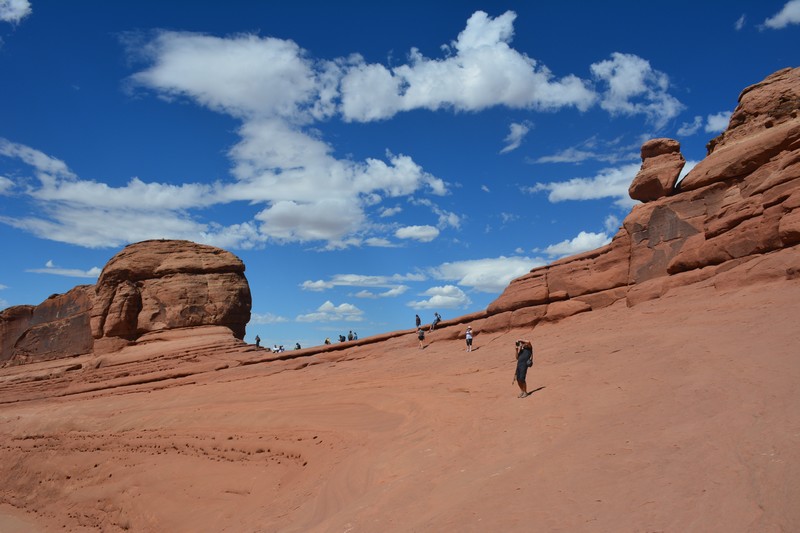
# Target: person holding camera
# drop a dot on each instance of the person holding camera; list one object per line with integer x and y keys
{"x": 524, "y": 353}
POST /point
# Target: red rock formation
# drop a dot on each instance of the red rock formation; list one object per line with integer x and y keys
{"x": 739, "y": 209}
{"x": 662, "y": 163}
{"x": 156, "y": 285}
{"x": 58, "y": 327}
{"x": 148, "y": 286}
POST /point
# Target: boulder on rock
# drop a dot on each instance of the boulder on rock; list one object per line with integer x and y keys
{"x": 662, "y": 163}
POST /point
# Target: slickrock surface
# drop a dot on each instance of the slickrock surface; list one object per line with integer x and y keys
{"x": 680, "y": 414}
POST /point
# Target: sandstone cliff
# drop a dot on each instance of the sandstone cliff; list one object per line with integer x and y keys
{"x": 733, "y": 219}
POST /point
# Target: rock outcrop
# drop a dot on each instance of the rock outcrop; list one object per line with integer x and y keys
{"x": 156, "y": 285}
{"x": 148, "y": 286}
{"x": 58, "y": 327}
{"x": 734, "y": 218}
{"x": 662, "y": 163}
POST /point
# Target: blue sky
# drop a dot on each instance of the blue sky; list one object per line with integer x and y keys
{"x": 367, "y": 162}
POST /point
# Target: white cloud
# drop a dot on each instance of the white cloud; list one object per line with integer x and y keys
{"x": 46, "y": 167}
{"x": 690, "y": 128}
{"x": 608, "y": 183}
{"x": 568, "y": 155}
{"x": 447, "y": 219}
{"x": 379, "y": 242}
{"x": 51, "y": 268}
{"x": 789, "y": 14}
{"x": 486, "y": 275}
{"x": 419, "y": 233}
{"x": 584, "y": 242}
{"x": 327, "y": 219}
{"x": 5, "y": 185}
{"x": 634, "y": 87}
{"x": 445, "y": 297}
{"x": 515, "y": 136}
{"x": 593, "y": 149}
{"x": 300, "y": 191}
{"x": 484, "y": 188}
{"x": 611, "y": 224}
{"x": 390, "y": 211}
{"x": 508, "y": 217}
{"x": 267, "y": 318}
{"x": 328, "y": 312}
{"x": 318, "y": 285}
{"x": 393, "y": 284}
{"x": 251, "y": 75}
{"x": 391, "y": 293}
{"x": 14, "y": 10}
{"x": 481, "y": 71}
{"x": 718, "y": 123}
{"x": 740, "y": 22}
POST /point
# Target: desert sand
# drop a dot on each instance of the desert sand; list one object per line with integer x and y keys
{"x": 679, "y": 414}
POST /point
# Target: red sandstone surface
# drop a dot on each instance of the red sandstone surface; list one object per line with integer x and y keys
{"x": 666, "y": 384}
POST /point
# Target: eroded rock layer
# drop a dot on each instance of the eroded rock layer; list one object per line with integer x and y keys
{"x": 737, "y": 210}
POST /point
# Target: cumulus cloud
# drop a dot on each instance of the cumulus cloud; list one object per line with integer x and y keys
{"x": 718, "y": 123}
{"x": 740, "y": 22}
{"x": 482, "y": 71}
{"x": 418, "y": 233}
{"x": 299, "y": 190}
{"x": 444, "y": 297}
{"x": 635, "y": 87}
{"x": 583, "y": 242}
{"x": 789, "y": 14}
{"x": 328, "y": 312}
{"x": 14, "y": 11}
{"x": 252, "y": 75}
{"x": 515, "y": 136}
{"x": 486, "y": 275}
{"x": 608, "y": 183}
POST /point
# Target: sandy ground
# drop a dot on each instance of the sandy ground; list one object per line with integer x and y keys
{"x": 680, "y": 414}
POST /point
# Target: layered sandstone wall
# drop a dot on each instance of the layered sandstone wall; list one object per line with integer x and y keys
{"x": 737, "y": 209}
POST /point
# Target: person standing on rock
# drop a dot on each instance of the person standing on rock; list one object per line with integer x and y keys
{"x": 436, "y": 319}
{"x": 419, "y": 321}
{"x": 420, "y": 336}
{"x": 524, "y": 353}
{"x": 469, "y": 338}
{"x": 258, "y": 341}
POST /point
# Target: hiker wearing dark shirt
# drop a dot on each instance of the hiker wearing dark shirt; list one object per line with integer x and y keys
{"x": 524, "y": 355}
